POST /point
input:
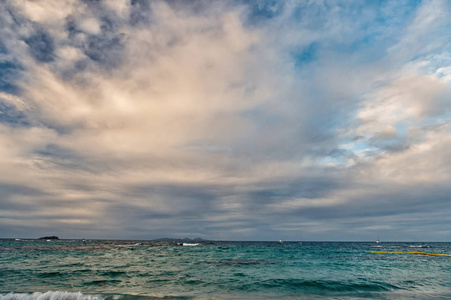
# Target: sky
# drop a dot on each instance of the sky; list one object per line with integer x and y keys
{"x": 226, "y": 120}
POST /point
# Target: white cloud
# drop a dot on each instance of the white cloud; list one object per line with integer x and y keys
{"x": 90, "y": 25}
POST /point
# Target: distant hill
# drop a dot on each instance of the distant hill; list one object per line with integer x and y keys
{"x": 53, "y": 237}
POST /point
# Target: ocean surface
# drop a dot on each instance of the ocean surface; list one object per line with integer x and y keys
{"x": 138, "y": 270}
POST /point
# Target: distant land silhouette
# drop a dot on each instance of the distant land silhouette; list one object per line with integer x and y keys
{"x": 53, "y": 237}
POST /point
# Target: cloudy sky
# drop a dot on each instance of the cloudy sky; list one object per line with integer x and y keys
{"x": 240, "y": 120}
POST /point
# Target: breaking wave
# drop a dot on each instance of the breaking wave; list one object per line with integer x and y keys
{"x": 50, "y": 296}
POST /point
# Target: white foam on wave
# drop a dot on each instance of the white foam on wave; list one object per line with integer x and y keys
{"x": 49, "y": 296}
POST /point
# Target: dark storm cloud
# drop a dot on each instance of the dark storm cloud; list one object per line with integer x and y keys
{"x": 11, "y": 116}
{"x": 139, "y": 12}
{"x": 9, "y": 72}
{"x": 41, "y": 46}
{"x": 9, "y": 191}
{"x": 107, "y": 47}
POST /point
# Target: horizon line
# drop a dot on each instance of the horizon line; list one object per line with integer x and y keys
{"x": 210, "y": 240}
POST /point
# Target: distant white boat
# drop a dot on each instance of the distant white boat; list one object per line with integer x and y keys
{"x": 378, "y": 240}
{"x": 280, "y": 241}
{"x": 190, "y": 244}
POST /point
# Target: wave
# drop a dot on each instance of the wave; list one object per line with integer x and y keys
{"x": 50, "y": 296}
{"x": 240, "y": 262}
{"x": 328, "y": 285}
{"x": 59, "y": 295}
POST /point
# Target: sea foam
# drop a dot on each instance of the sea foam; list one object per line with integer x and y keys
{"x": 49, "y": 296}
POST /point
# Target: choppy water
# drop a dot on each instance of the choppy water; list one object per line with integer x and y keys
{"x": 94, "y": 270}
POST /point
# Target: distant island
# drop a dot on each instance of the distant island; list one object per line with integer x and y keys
{"x": 53, "y": 237}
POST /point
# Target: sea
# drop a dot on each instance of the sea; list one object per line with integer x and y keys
{"x": 139, "y": 270}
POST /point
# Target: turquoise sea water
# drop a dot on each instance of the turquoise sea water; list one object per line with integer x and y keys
{"x": 75, "y": 269}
